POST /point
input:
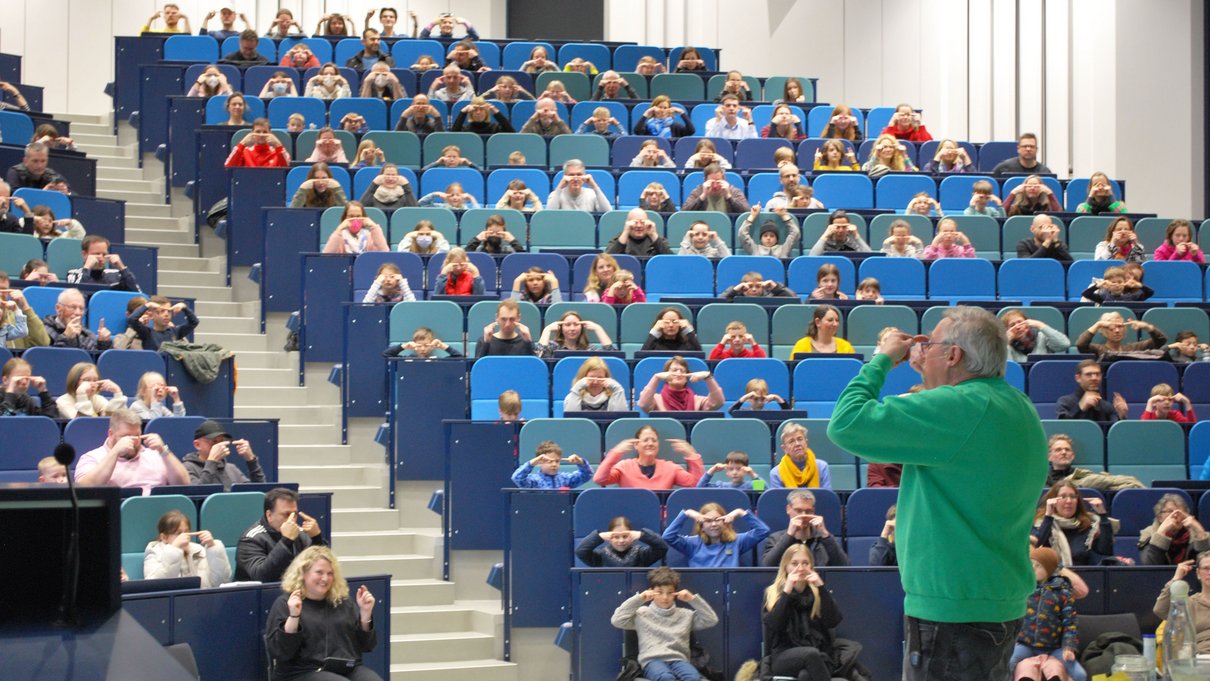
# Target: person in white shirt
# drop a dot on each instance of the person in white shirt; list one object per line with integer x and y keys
{"x": 731, "y": 121}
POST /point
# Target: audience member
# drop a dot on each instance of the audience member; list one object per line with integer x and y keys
{"x": 520, "y": 198}
{"x": 389, "y": 190}
{"x": 652, "y": 155}
{"x": 869, "y": 289}
{"x": 547, "y": 458}
{"x": 10, "y": 220}
{"x": 247, "y": 54}
{"x": 882, "y": 551}
{"x": 827, "y": 284}
{"x": 949, "y": 242}
{"x": 770, "y": 235}
{"x": 259, "y": 149}
{"x": 887, "y": 155}
{"x": 226, "y": 17}
{"x": 371, "y": 52}
{"x": 1026, "y": 160}
{"x": 834, "y": 155}
{"x": 1159, "y": 405}
{"x": 540, "y": 62}
{"x": 821, "y": 334}
{"x": 174, "y": 21}
{"x": 15, "y": 308}
{"x": 84, "y": 393}
{"x": 1031, "y": 197}
{"x": 713, "y": 542}
{"x": 1086, "y": 402}
{"x": 754, "y": 285}
{"x": 424, "y": 240}
{"x": 799, "y": 467}
{"x": 389, "y": 286}
{"x": 420, "y": 117}
{"x": 648, "y": 66}
{"x": 841, "y": 236}
{"x": 14, "y": 324}
{"x": 783, "y": 124}
{"x": 1047, "y": 643}
{"x": 152, "y": 398}
{"x": 1113, "y": 327}
{"x": 1100, "y": 197}
{"x": 19, "y": 103}
{"x": 507, "y": 90}
{"x": 950, "y": 157}
{"x": 445, "y": 24}
{"x": 736, "y": 342}
{"x": 672, "y": 332}
{"x": 757, "y": 397}
{"x": 594, "y": 389}
{"x": 266, "y": 548}
{"x": 1179, "y": 244}
{"x": 900, "y": 243}
{"x": 328, "y": 84}
{"x": 18, "y": 379}
{"x": 494, "y": 238}
{"x": 236, "y": 107}
{"x": 509, "y": 407}
{"x": 174, "y": 554}
{"x": 731, "y": 121}
{"x": 1061, "y": 454}
{"x": 984, "y": 201}
{"x": 51, "y": 471}
{"x": 283, "y": 24}
{"x": 465, "y": 56}
{"x": 905, "y": 125}
{"x": 660, "y": 120}
{"x": 705, "y": 154}
{"x": 569, "y": 331}
{"x": 715, "y": 193}
{"x": 34, "y": 170}
{"x": 1186, "y": 349}
{"x": 806, "y": 529}
{"x": 601, "y": 123}
{"x": 1175, "y": 536}
{"x": 545, "y": 120}
{"x": 506, "y": 335}
{"x": 1031, "y": 336}
{"x": 66, "y": 327}
{"x": 638, "y": 236}
{"x": 1045, "y": 242}
{"x": 481, "y": 117}
{"x": 162, "y": 329}
{"x": 458, "y": 276}
{"x": 841, "y": 125}
{"x": 129, "y": 458}
{"x": 1077, "y": 528}
{"x": 621, "y": 546}
{"x": 610, "y": 84}
{"x": 452, "y": 86}
{"x": 37, "y": 270}
{"x": 1121, "y": 243}
{"x": 356, "y": 233}
{"x": 676, "y": 395}
{"x": 600, "y": 277}
{"x": 209, "y": 83}
{"x": 47, "y": 226}
{"x": 664, "y": 630}
{"x": 623, "y": 290}
{"x": 328, "y": 150}
{"x": 96, "y": 255}
{"x": 300, "y": 57}
{"x": 739, "y": 474}
{"x": 647, "y": 470}
{"x": 790, "y": 179}
{"x": 380, "y": 83}
{"x": 1115, "y": 286}
{"x": 208, "y": 464}
{"x": 424, "y": 342}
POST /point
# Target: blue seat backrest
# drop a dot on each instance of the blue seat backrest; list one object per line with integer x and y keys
{"x": 53, "y": 363}
{"x": 1133, "y": 507}
{"x": 365, "y": 269}
{"x": 991, "y": 153}
{"x": 516, "y": 263}
{"x": 900, "y": 277}
{"x": 110, "y": 306}
{"x": 125, "y": 367}
{"x": 58, "y": 202}
{"x": 594, "y": 508}
{"x": 865, "y": 510}
{"x": 216, "y": 111}
{"x": 1051, "y": 379}
{"x": 771, "y": 507}
{"x": 26, "y": 440}
{"x": 734, "y": 373}
{"x": 757, "y": 153}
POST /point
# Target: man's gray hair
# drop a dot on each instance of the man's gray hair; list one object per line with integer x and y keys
{"x": 68, "y": 293}
{"x": 800, "y": 495}
{"x": 34, "y": 147}
{"x": 572, "y": 163}
{"x": 982, "y": 338}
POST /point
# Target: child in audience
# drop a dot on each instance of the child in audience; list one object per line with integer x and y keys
{"x": 495, "y": 238}
{"x": 803, "y": 197}
{"x": 422, "y": 345}
{"x": 1115, "y": 286}
{"x": 735, "y": 465}
{"x": 1178, "y": 244}
{"x": 537, "y": 286}
{"x": 424, "y": 63}
{"x": 18, "y": 377}
{"x": 153, "y": 394}
{"x": 451, "y": 157}
{"x": 882, "y": 551}
{"x": 129, "y": 339}
{"x": 984, "y": 201}
{"x": 14, "y": 324}
{"x": 754, "y": 285}
{"x": 737, "y": 342}
{"x": 1186, "y": 349}
{"x": 516, "y": 158}
{"x": 509, "y": 407}
{"x": 701, "y": 240}
{"x": 50, "y": 470}
{"x": 622, "y": 546}
{"x": 454, "y": 197}
{"x": 834, "y": 155}
{"x": 459, "y": 276}
{"x": 712, "y": 542}
{"x": 949, "y": 243}
{"x": 1047, "y": 644}
{"x": 757, "y": 397}
{"x": 424, "y": 240}
{"x": 870, "y": 289}
{"x": 83, "y": 396}
{"x": 1100, "y": 197}
{"x": 827, "y": 284}
{"x": 174, "y": 554}
{"x": 1159, "y": 406}
{"x": 390, "y": 286}
{"x": 296, "y": 123}
{"x": 664, "y": 629}
{"x": 162, "y": 330}
{"x": 623, "y": 290}
{"x": 601, "y": 123}
{"x": 784, "y": 155}
{"x": 900, "y": 243}
{"x": 924, "y": 204}
{"x": 47, "y": 226}
{"x": 547, "y": 458}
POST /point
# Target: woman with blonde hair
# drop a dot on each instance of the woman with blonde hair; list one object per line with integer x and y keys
{"x": 508, "y": 90}
{"x": 153, "y": 394}
{"x": 713, "y": 541}
{"x": 315, "y": 620}
{"x": 83, "y": 396}
{"x": 600, "y": 277}
{"x": 595, "y": 389}
{"x": 887, "y": 155}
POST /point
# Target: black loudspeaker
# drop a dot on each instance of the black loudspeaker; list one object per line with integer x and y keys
{"x": 35, "y": 523}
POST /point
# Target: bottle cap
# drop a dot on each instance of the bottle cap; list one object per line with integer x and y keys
{"x": 1179, "y": 589}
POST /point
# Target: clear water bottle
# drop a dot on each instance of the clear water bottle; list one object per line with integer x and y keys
{"x": 1180, "y": 638}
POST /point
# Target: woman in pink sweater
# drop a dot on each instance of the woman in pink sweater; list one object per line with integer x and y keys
{"x": 647, "y": 470}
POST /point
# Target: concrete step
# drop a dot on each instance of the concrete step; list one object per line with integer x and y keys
{"x": 110, "y": 160}
{"x": 240, "y": 325}
{"x": 169, "y": 277}
{"x": 158, "y": 237}
{"x": 179, "y": 264}
{"x": 294, "y": 395}
{"x": 481, "y": 670}
{"x": 393, "y": 542}
{"x": 120, "y": 173}
{"x": 248, "y": 377}
{"x": 442, "y": 647}
{"x": 113, "y": 184}
{"x": 226, "y": 308}
{"x": 366, "y": 519}
{"x": 422, "y": 592}
{"x": 350, "y": 496}
{"x": 178, "y": 250}
{"x": 409, "y": 620}
{"x": 102, "y": 122}
{"x": 231, "y": 341}
{"x": 141, "y": 196}
{"x": 155, "y": 209}
{"x": 161, "y": 222}
{"x": 318, "y": 415}
{"x": 107, "y": 150}
{"x": 327, "y": 475}
{"x": 265, "y": 360}
{"x": 313, "y": 454}
{"x": 402, "y": 566}
{"x": 208, "y": 293}
{"x": 94, "y": 137}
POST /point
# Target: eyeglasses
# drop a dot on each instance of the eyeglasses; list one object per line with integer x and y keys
{"x": 924, "y": 346}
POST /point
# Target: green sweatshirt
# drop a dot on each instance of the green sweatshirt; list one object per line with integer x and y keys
{"x": 974, "y": 460}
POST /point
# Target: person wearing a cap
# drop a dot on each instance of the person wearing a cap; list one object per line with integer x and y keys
{"x": 770, "y": 235}
{"x": 226, "y": 17}
{"x": 208, "y": 465}
{"x": 1050, "y": 625}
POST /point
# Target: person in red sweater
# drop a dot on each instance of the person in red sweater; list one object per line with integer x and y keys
{"x": 905, "y": 125}
{"x": 259, "y": 149}
{"x": 1159, "y": 406}
{"x": 737, "y": 342}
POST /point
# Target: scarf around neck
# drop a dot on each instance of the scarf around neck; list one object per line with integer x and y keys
{"x": 385, "y": 194}
{"x": 793, "y": 476}
{"x": 1026, "y": 343}
{"x": 677, "y": 399}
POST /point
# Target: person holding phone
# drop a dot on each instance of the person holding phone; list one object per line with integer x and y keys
{"x": 130, "y": 458}
{"x": 317, "y": 629}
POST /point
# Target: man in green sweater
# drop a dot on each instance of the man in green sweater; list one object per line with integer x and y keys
{"x": 972, "y": 450}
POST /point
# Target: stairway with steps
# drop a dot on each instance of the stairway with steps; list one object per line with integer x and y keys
{"x": 434, "y": 636}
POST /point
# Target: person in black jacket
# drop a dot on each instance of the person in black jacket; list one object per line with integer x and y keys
{"x": 622, "y": 546}
{"x": 882, "y": 551}
{"x": 477, "y": 117}
{"x": 267, "y": 548}
{"x": 1045, "y": 242}
{"x": 638, "y": 237}
{"x": 660, "y": 120}
{"x": 671, "y": 331}
{"x": 16, "y": 400}
{"x": 317, "y": 620}
{"x": 806, "y": 528}
{"x": 371, "y": 54}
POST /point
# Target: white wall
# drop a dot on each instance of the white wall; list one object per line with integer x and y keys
{"x": 1085, "y": 76}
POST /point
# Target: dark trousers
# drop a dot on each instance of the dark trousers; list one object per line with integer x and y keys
{"x": 359, "y": 673}
{"x": 958, "y": 651}
{"x": 803, "y": 663}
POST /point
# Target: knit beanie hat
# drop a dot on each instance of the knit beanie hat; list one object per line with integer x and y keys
{"x": 769, "y": 226}
{"x": 1046, "y": 557}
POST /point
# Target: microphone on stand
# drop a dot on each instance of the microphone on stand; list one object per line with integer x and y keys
{"x": 65, "y": 454}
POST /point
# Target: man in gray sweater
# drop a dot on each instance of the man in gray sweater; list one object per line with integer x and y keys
{"x": 578, "y": 191}
{"x": 663, "y": 629}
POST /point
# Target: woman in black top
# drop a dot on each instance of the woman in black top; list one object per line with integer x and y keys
{"x": 477, "y": 117}
{"x": 672, "y": 331}
{"x": 317, "y": 620}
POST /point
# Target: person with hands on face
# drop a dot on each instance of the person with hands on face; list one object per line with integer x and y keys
{"x": 506, "y": 335}
{"x": 578, "y": 190}
{"x": 1047, "y": 644}
{"x": 834, "y": 155}
{"x": 211, "y": 82}
{"x": 757, "y": 397}
{"x": 676, "y": 394}
{"x": 900, "y": 242}
{"x": 355, "y": 124}
{"x": 420, "y": 117}
{"x": 1086, "y": 402}
{"x": 207, "y": 465}
{"x": 570, "y": 331}
{"x": 174, "y": 21}
{"x": 389, "y": 190}
{"x": 905, "y": 125}
{"x": 843, "y": 125}
{"x": 174, "y": 554}
{"x": 380, "y": 83}
{"x": 283, "y": 24}
{"x": 1179, "y": 244}
{"x": 130, "y": 458}
{"x": 535, "y": 285}
{"x": 623, "y": 290}
{"x": 1175, "y": 536}
{"x": 258, "y": 149}
{"x": 389, "y": 286}
{"x": 458, "y": 276}
{"x": 887, "y": 155}
{"x": 451, "y": 157}
{"x": 226, "y": 17}
{"x": 14, "y": 323}
{"x": 622, "y": 546}
{"x": 19, "y": 103}
{"x": 1076, "y": 527}
{"x": 280, "y": 85}
{"x": 508, "y": 91}
{"x": 557, "y": 91}
{"x": 465, "y": 56}
{"x": 1031, "y": 197}
{"x": 34, "y": 170}
{"x": 452, "y": 86}
{"x": 266, "y": 548}
{"x": 581, "y": 65}
{"x": 1031, "y": 336}
{"x": 784, "y": 124}
{"x": 66, "y": 327}
{"x": 731, "y": 121}
{"x": 1100, "y": 197}
{"x": 1184, "y": 350}
{"x": 1199, "y": 603}
{"x": 713, "y": 542}
{"x": 495, "y": 238}
{"x": 547, "y": 458}
{"x": 1113, "y": 326}
{"x": 1121, "y": 243}
{"x": 300, "y": 57}
{"x": 356, "y": 233}
{"x": 539, "y": 62}
{"x": 520, "y": 198}
{"x": 807, "y": 529}
{"x": 882, "y": 551}
{"x": 949, "y": 243}
{"x": 840, "y": 236}
{"x": 950, "y": 157}
{"x": 601, "y": 123}
{"x": 15, "y": 306}
{"x": 545, "y": 121}
{"x": 664, "y": 630}
{"x": 18, "y": 379}
{"x": 671, "y": 331}
{"x": 1116, "y": 285}
{"x": 422, "y": 345}
{"x": 162, "y": 329}
{"x": 754, "y": 285}
{"x": 1045, "y": 242}
{"x": 389, "y": 18}
{"x": 594, "y": 389}
{"x": 320, "y": 190}
{"x": 1159, "y": 406}
{"x": 84, "y": 393}
{"x": 739, "y": 474}
{"x": 317, "y": 621}
{"x": 660, "y": 120}
{"x": 769, "y": 234}
{"x": 690, "y": 61}
{"x": 647, "y": 470}
{"x": 737, "y": 342}
{"x": 328, "y": 84}
{"x": 424, "y": 240}
{"x": 446, "y": 23}
{"x": 924, "y": 204}
{"x": 715, "y": 193}
{"x": 11, "y": 220}
{"x": 790, "y": 178}
{"x": 610, "y": 85}
{"x": 701, "y": 240}
{"x": 652, "y": 155}
{"x": 152, "y": 396}
{"x": 481, "y": 117}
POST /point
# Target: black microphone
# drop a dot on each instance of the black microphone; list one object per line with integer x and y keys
{"x": 65, "y": 454}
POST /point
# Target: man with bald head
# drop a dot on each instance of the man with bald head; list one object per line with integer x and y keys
{"x": 639, "y": 237}
{"x": 1045, "y": 242}
{"x": 66, "y": 326}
